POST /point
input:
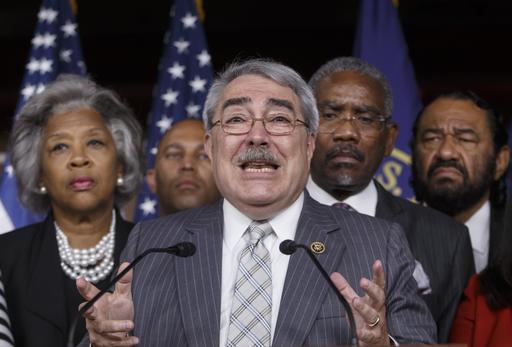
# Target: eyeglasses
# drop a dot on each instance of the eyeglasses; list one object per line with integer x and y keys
{"x": 274, "y": 124}
{"x": 367, "y": 122}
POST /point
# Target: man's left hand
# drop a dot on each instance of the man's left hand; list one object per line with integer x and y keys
{"x": 369, "y": 310}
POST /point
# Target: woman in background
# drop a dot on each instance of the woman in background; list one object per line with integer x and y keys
{"x": 76, "y": 153}
{"x": 484, "y": 318}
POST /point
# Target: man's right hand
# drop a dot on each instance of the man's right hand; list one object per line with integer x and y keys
{"x": 110, "y": 320}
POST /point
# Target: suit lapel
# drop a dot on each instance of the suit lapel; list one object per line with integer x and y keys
{"x": 199, "y": 283}
{"x": 46, "y": 297}
{"x": 496, "y": 230}
{"x": 305, "y": 289}
{"x": 387, "y": 208}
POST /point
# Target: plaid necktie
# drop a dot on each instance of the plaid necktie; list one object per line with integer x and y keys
{"x": 343, "y": 206}
{"x": 251, "y": 313}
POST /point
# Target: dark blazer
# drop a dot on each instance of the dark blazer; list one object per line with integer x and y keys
{"x": 35, "y": 283}
{"x": 499, "y": 215}
{"x": 177, "y": 300}
{"x": 443, "y": 248}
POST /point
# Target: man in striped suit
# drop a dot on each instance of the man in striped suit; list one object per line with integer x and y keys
{"x": 6, "y": 339}
{"x": 238, "y": 289}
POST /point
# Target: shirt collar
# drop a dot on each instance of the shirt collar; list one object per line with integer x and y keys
{"x": 479, "y": 227}
{"x": 284, "y": 223}
{"x": 363, "y": 202}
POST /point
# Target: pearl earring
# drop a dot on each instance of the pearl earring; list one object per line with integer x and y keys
{"x": 42, "y": 190}
{"x": 120, "y": 181}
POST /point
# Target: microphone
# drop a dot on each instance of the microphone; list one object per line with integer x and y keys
{"x": 182, "y": 249}
{"x": 289, "y": 247}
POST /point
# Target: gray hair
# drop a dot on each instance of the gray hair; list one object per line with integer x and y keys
{"x": 279, "y": 73}
{"x": 70, "y": 92}
{"x": 360, "y": 66}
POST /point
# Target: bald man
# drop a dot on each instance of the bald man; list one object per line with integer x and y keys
{"x": 182, "y": 177}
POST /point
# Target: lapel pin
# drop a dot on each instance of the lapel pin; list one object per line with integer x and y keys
{"x": 317, "y": 247}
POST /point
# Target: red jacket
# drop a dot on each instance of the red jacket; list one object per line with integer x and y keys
{"x": 478, "y": 326}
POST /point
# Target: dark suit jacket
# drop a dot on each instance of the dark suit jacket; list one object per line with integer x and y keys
{"x": 499, "y": 215}
{"x": 34, "y": 282}
{"x": 177, "y": 300}
{"x": 443, "y": 248}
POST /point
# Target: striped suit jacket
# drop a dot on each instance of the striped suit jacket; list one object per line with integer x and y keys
{"x": 177, "y": 300}
{"x": 443, "y": 248}
{"x": 6, "y": 338}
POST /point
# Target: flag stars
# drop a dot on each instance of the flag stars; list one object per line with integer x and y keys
{"x": 47, "y": 40}
{"x": 164, "y": 123}
{"x": 170, "y": 97}
{"x": 33, "y": 65}
{"x": 189, "y": 21}
{"x": 69, "y": 29}
{"x": 65, "y": 55}
{"x": 153, "y": 150}
{"x": 176, "y": 70}
{"x": 40, "y": 88}
{"x": 148, "y": 206}
{"x": 181, "y": 45}
{"x": 197, "y": 84}
{"x": 193, "y": 110}
{"x": 43, "y": 66}
{"x": 9, "y": 170}
{"x": 28, "y": 91}
{"x": 204, "y": 58}
{"x": 47, "y": 15}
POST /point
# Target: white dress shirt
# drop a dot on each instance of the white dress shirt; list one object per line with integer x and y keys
{"x": 479, "y": 226}
{"x": 364, "y": 202}
{"x": 235, "y": 225}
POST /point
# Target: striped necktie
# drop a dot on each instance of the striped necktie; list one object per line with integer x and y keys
{"x": 251, "y": 313}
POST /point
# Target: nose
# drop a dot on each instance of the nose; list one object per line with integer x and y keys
{"x": 79, "y": 157}
{"x": 346, "y": 130}
{"x": 447, "y": 148}
{"x": 188, "y": 163}
{"x": 258, "y": 136}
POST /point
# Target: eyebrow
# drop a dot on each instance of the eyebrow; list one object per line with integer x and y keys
{"x": 235, "y": 102}
{"x": 459, "y": 131}
{"x": 335, "y": 106}
{"x": 280, "y": 103}
{"x": 455, "y": 130}
{"x": 331, "y": 104}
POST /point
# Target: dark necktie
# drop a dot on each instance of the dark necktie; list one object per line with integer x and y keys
{"x": 343, "y": 206}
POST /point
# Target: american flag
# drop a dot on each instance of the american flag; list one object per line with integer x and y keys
{"x": 55, "y": 49}
{"x": 185, "y": 74}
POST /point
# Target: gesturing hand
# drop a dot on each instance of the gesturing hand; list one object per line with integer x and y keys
{"x": 110, "y": 319}
{"x": 369, "y": 310}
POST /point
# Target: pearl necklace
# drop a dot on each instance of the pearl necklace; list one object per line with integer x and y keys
{"x": 94, "y": 263}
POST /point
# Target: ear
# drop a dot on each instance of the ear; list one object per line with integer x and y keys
{"x": 151, "y": 180}
{"x": 502, "y": 160}
{"x": 311, "y": 145}
{"x": 392, "y": 133}
{"x": 208, "y": 144}
{"x": 120, "y": 170}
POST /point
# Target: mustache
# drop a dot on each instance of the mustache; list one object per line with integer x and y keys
{"x": 261, "y": 154}
{"x": 345, "y": 149}
{"x": 447, "y": 163}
